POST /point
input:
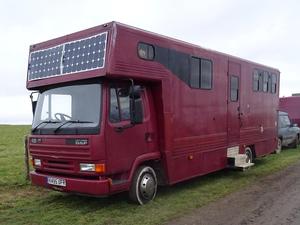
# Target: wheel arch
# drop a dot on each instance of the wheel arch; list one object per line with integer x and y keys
{"x": 149, "y": 159}
{"x": 252, "y": 148}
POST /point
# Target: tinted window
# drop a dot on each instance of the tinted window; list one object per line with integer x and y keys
{"x": 234, "y": 88}
{"x": 119, "y": 104}
{"x": 206, "y": 74}
{"x": 274, "y": 83}
{"x": 146, "y": 51}
{"x": 265, "y": 81}
{"x": 201, "y": 73}
{"x": 270, "y": 83}
{"x": 114, "y": 114}
{"x": 195, "y": 72}
{"x": 124, "y": 106}
{"x": 260, "y": 81}
{"x": 255, "y": 80}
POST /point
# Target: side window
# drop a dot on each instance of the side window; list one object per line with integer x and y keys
{"x": 285, "y": 121}
{"x": 124, "y": 105}
{"x": 145, "y": 51}
{"x": 195, "y": 72}
{"x": 119, "y": 104}
{"x": 201, "y": 73}
{"x": 255, "y": 80}
{"x": 206, "y": 74}
{"x": 234, "y": 88}
{"x": 274, "y": 83}
{"x": 260, "y": 80}
{"x": 279, "y": 122}
{"x": 270, "y": 83}
{"x": 114, "y": 112}
{"x": 265, "y": 81}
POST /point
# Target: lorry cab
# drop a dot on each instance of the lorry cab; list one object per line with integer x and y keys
{"x": 96, "y": 131}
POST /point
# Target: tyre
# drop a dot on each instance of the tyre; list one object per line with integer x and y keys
{"x": 279, "y": 146}
{"x": 294, "y": 143}
{"x": 143, "y": 186}
{"x": 249, "y": 154}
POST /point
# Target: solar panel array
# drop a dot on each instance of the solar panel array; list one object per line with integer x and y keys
{"x": 71, "y": 57}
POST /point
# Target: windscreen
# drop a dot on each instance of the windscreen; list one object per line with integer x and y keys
{"x": 284, "y": 121}
{"x": 71, "y": 109}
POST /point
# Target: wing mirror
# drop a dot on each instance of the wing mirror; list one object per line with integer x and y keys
{"x": 33, "y": 98}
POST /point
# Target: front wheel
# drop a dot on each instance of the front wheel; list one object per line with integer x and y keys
{"x": 143, "y": 186}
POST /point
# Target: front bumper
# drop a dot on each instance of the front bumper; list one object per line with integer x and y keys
{"x": 74, "y": 185}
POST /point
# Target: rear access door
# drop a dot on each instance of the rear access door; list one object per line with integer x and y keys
{"x": 233, "y": 99}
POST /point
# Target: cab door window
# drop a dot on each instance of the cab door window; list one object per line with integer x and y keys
{"x": 119, "y": 104}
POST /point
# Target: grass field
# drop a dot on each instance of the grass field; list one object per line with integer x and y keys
{"x": 21, "y": 203}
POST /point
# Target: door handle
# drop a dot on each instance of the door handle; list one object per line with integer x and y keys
{"x": 119, "y": 129}
{"x": 148, "y": 137}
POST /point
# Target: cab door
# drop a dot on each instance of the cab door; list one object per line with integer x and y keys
{"x": 233, "y": 99}
{"x": 124, "y": 141}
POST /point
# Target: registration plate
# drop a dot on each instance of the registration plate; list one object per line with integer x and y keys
{"x": 56, "y": 181}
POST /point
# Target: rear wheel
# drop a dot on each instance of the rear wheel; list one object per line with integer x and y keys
{"x": 143, "y": 186}
{"x": 249, "y": 154}
{"x": 294, "y": 144}
{"x": 279, "y": 146}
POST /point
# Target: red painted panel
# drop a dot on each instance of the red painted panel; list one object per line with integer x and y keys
{"x": 291, "y": 105}
{"x": 233, "y": 113}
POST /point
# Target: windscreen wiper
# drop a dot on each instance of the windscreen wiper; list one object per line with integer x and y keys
{"x": 70, "y": 121}
{"x": 45, "y": 121}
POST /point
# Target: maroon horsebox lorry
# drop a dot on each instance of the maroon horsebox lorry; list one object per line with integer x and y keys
{"x": 123, "y": 109}
{"x": 291, "y": 105}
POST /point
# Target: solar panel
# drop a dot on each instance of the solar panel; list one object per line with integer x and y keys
{"x": 71, "y": 57}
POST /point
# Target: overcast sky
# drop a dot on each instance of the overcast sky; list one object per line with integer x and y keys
{"x": 267, "y": 32}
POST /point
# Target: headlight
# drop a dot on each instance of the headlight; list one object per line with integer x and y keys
{"x": 37, "y": 162}
{"x": 36, "y": 140}
{"x": 87, "y": 167}
{"x": 90, "y": 167}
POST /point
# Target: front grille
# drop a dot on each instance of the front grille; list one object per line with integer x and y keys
{"x": 58, "y": 165}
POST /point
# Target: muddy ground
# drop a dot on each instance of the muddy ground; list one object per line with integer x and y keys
{"x": 273, "y": 200}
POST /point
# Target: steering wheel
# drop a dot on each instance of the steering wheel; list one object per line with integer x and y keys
{"x": 62, "y": 116}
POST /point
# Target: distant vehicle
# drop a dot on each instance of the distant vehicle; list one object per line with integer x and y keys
{"x": 291, "y": 105}
{"x": 123, "y": 109}
{"x": 288, "y": 133}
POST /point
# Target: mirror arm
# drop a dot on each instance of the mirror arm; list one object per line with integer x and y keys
{"x": 33, "y": 103}
{"x": 31, "y": 95}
